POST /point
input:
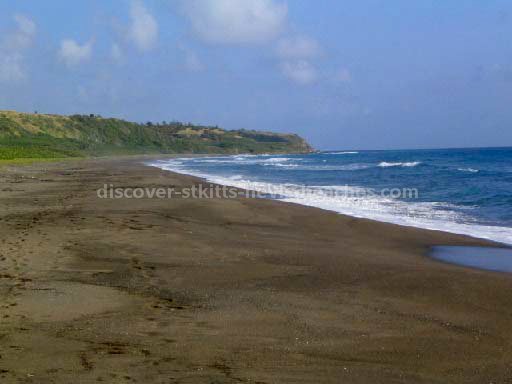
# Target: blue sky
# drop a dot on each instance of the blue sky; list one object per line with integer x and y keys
{"x": 344, "y": 74}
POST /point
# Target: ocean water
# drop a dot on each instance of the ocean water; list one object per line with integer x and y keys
{"x": 492, "y": 259}
{"x": 465, "y": 191}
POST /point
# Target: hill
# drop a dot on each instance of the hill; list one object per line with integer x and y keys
{"x": 24, "y": 135}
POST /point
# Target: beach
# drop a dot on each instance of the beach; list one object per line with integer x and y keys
{"x": 175, "y": 290}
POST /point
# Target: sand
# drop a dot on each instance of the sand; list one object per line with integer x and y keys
{"x": 229, "y": 290}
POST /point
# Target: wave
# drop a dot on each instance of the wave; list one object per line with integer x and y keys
{"x": 471, "y": 170}
{"x": 296, "y": 164}
{"x": 385, "y": 164}
{"x": 239, "y": 159}
{"x": 301, "y": 167}
{"x": 341, "y": 153}
{"x": 275, "y": 160}
{"x": 355, "y": 201}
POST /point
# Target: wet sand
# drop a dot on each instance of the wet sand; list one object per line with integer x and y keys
{"x": 229, "y": 290}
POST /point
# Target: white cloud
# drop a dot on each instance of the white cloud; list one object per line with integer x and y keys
{"x": 296, "y": 55}
{"x": 22, "y": 38}
{"x": 72, "y": 53}
{"x": 236, "y": 21}
{"x": 144, "y": 28}
{"x": 300, "y": 47}
{"x": 13, "y": 47}
{"x": 301, "y": 72}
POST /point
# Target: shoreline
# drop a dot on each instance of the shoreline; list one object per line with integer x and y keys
{"x": 229, "y": 290}
{"x": 215, "y": 180}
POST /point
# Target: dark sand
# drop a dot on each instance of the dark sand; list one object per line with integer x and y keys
{"x": 229, "y": 291}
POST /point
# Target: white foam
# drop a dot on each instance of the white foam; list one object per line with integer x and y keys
{"x": 320, "y": 168}
{"x": 341, "y": 153}
{"x": 471, "y": 170}
{"x": 276, "y": 160}
{"x": 356, "y": 202}
{"x": 242, "y": 159}
{"x": 281, "y": 165}
{"x": 385, "y": 164}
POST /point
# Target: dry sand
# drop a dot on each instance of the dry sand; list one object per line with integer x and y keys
{"x": 228, "y": 291}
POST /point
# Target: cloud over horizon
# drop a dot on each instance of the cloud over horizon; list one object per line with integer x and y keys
{"x": 251, "y": 22}
{"x": 13, "y": 47}
{"x": 72, "y": 53}
{"x": 236, "y": 22}
{"x": 143, "y": 30}
{"x": 296, "y": 56}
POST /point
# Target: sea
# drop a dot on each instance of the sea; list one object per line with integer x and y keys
{"x": 464, "y": 191}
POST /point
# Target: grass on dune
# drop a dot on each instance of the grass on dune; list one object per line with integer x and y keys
{"x": 41, "y": 148}
{"x": 29, "y": 160}
{"x": 36, "y": 136}
{"x": 11, "y": 153}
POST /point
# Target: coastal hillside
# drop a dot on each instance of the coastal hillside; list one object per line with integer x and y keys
{"x": 24, "y": 135}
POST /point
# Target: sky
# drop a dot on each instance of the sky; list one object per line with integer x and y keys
{"x": 361, "y": 74}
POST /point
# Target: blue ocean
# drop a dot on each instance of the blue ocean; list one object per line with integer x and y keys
{"x": 465, "y": 191}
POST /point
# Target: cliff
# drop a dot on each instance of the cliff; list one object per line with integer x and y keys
{"x": 24, "y": 135}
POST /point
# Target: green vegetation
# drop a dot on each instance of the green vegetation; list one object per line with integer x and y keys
{"x": 24, "y": 136}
